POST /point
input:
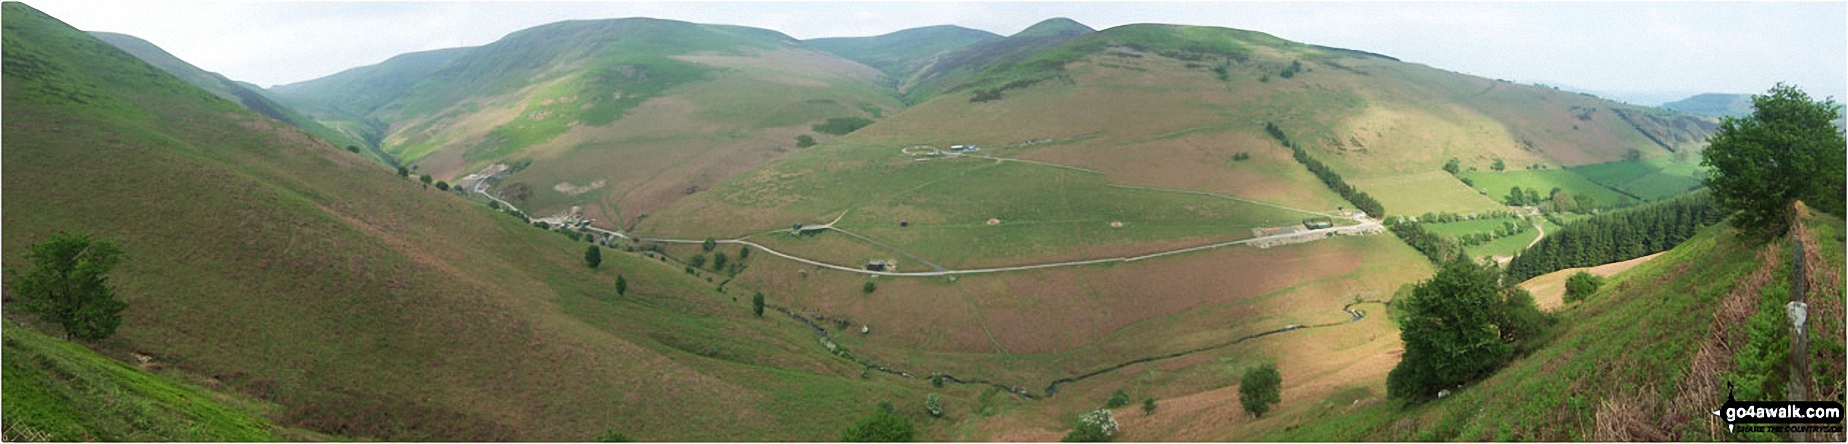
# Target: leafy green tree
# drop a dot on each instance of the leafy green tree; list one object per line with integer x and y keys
{"x": 1498, "y": 165}
{"x": 426, "y": 179}
{"x": 1786, "y": 151}
{"x": 698, "y": 260}
{"x": 1117, "y": 399}
{"x": 883, "y": 425}
{"x": 1148, "y": 406}
{"x": 708, "y": 245}
{"x": 443, "y": 186}
{"x": 69, "y": 285}
{"x": 404, "y": 172}
{"x": 1259, "y": 389}
{"x": 1633, "y": 155}
{"x": 622, "y": 286}
{"x": 1581, "y": 285}
{"x": 744, "y": 252}
{"x": 1453, "y": 166}
{"x": 1563, "y": 202}
{"x": 757, "y": 304}
{"x": 593, "y": 256}
{"x": 805, "y": 141}
{"x": 869, "y": 287}
{"x": 719, "y": 260}
{"x": 352, "y": 148}
{"x": 1448, "y": 326}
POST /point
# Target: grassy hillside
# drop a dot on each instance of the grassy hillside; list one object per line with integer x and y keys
{"x": 60, "y": 391}
{"x": 236, "y": 92}
{"x": 1646, "y": 358}
{"x": 615, "y": 117}
{"x": 950, "y": 71}
{"x": 901, "y": 52}
{"x": 363, "y": 305}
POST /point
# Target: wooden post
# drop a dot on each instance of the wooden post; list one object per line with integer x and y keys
{"x": 1797, "y": 312}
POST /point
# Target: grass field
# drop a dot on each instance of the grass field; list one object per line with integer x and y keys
{"x": 1501, "y": 247}
{"x": 1651, "y": 179}
{"x": 1497, "y": 184}
{"x": 1427, "y": 192}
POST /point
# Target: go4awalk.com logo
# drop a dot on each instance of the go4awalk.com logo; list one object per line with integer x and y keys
{"x": 1780, "y": 416}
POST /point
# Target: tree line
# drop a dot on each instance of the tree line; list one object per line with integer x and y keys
{"x": 1618, "y": 235}
{"x": 1436, "y": 247}
{"x": 1334, "y": 181}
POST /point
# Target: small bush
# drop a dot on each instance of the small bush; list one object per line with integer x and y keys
{"x": 842, "y": 125}
{"x": 805, "y": 141}
{"x": 698, "y": 260}
{"x": 883, "y": 425}
{"x": 933, "y": 405}
{"x": 1117, "y": 399}
{"x": 1581, "y": 285}
{"x": 1148, "y": 406}
{"x": 612, "y": 435}
{"x": 869, "y": 287}
{"x": 1093, "y": 426}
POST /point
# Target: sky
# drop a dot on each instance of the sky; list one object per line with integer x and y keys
{"x": 1644, "y": 53}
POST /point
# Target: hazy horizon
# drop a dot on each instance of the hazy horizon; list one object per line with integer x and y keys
{"x": 1662, "y": 51}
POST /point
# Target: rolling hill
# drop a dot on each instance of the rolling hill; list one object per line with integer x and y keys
{"x": 950, "y": 70}
{"x": 614, "y": 118}
{"x": 1073, "y": 135}
{"x": 901, "y": 52}
{"x": 240, "y": 93}
{"x": 359, "y": 304}
{"x": 1100, "y": 236}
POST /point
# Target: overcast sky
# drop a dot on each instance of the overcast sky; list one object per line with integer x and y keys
{"x": 1643, "y": 52}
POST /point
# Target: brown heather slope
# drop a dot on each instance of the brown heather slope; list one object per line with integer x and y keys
{"x": 363, "y": 305}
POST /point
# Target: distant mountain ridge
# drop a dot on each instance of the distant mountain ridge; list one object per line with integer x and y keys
{"x": 899, "y": 52}
{"x": 1714, "y": 105}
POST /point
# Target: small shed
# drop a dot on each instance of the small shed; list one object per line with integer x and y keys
{"x": 876, "y": 266}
